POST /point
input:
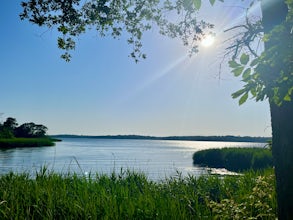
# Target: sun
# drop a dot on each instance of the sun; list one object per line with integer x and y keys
{"x": 208, "y": 40}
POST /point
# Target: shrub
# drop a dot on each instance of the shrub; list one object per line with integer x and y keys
{"x": 6, "y": 133}
{"x": 257, "y": 204}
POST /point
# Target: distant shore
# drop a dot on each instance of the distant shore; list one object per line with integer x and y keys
{"x": 228, "y": 138}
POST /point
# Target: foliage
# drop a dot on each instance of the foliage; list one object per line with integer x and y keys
{"x": 270, "y": 74}
{"x": 25, "y": 142}
{"x": 9, "y": 129}
{"x": 5, "y": 133}
{"x": 235, "y": 159}
{"x": 116, "y": 18}
{"x": 128, "y": 195}
{"x": 267, "y": 75}
{"x": 30, "y": 130}
{"x": 10, "y": 123}
{"x": 257, "y": 205}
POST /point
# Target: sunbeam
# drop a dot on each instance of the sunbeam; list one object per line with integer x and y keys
{"x": 252, "y": 10}
{"x": 156, "y": 77}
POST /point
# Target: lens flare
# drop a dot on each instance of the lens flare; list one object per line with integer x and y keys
{"x": 208, "y": 41}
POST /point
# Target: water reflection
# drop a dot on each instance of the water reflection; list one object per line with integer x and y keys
{"x": 158, "y": 159}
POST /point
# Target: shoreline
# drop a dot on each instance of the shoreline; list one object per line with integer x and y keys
{"x": 26, "y": 142}
{"x": 227, "y": 138}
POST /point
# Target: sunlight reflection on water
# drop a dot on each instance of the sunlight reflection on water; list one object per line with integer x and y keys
{"x": 157, "y": 159}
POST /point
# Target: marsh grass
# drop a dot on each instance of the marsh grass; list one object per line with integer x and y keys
{"x": 235, "y": 159}
{"x": 130, "y": 195}
{"x": 26, "y": 142}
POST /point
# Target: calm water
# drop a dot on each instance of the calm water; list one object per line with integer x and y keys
{"x": 158, "y": 159}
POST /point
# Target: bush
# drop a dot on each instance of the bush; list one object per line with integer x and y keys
{"x": 6, "y": 133}
{"x": 255, "y": 205}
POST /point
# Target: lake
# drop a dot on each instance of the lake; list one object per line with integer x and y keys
{"x": 156, "y": 158}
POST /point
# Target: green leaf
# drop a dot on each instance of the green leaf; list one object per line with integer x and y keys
{"x": 63, "y": 29}
{"x": 212, "y": 2}
{"x": 244, "y": 59}
{"x": 287, "y": 98}
{"x": 61, "y": 43}
{"x": 254, "y": 62}
{"x": 233, "y": 64}
{"x": 66, "y": 56}
{"x": 253, "y": 92}
{"x": 243, "y": 98}
{"x": 238, "y": 71}
{"x": 238, "y": 93}
{"x": 246, "y": 74}
{"x": 197, "y": 4}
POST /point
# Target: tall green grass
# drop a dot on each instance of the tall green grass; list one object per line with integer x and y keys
{"x": 26, "y": 142}
{"x": 235, "y": 159}
{"x": 129, "y": 195}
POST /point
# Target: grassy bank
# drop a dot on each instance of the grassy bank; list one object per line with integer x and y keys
{"x": 26, "y": 142}
{"x": 234, "y": 159}
{"x": 129, "y": 195}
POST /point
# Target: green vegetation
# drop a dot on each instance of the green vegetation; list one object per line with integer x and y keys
{"x": 26, "y": 142}
{"x": 265, "y": 75}
{"x": 228, "y": 138}
{"x": 10, "y": 129}
{"x": 235, "y": 159}
{"x": 129, "y": 195}
{"x": 25, "y": 135}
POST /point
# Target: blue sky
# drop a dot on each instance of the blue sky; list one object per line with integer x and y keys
{"x": 103, "y": 91}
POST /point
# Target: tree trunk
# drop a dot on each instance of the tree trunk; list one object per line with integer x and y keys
{"x": 273, "y": 13}
{"x": 282, "y": 127}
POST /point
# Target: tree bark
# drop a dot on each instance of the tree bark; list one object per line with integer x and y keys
{"x": 273, "y": 13}
{"x": 282, "y": 129}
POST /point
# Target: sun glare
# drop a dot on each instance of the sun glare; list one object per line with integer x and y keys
{"x": 208, "y": 40}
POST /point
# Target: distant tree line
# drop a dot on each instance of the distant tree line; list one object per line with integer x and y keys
{"x": 10, "y": 129}
{"x": 228, "y": 138}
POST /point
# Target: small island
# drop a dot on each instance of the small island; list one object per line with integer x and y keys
{"x": 25, "y": 135}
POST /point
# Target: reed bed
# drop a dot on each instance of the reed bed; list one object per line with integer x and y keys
{"x": 235, "y": 159}
{"x": 26, "y": 142}
{"x": 131, "y": 195}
